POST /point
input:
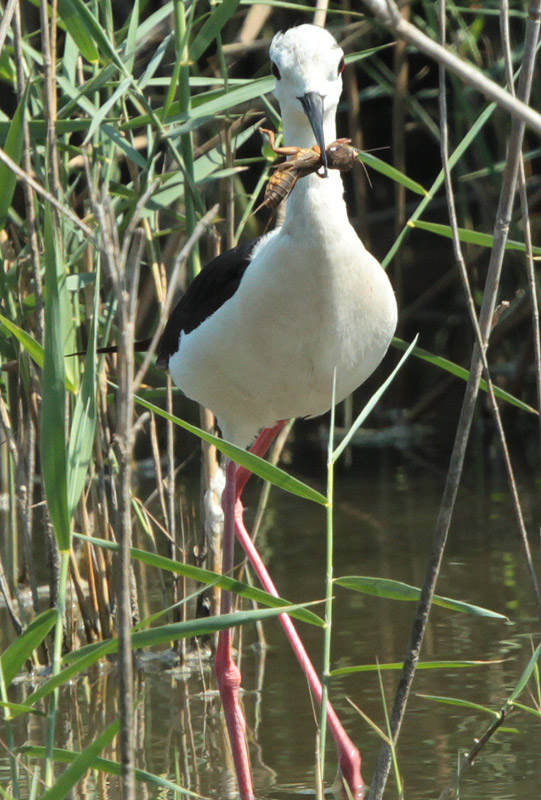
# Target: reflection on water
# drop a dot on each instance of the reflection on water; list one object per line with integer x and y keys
{"x": 385, "y": 517}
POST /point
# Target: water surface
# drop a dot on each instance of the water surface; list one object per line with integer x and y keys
{"x": 385, "y": 514}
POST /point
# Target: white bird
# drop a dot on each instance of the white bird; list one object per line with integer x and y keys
{"x": 263, "y": 328}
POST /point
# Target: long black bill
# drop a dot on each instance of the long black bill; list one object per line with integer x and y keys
{"x": 312, "y": 103}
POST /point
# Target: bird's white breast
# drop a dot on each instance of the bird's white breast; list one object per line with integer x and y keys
{"x": 313, "y": 304}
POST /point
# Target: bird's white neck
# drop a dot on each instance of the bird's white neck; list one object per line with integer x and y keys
{"x": 313, "y": 200}
{"x": 297, "y": 129}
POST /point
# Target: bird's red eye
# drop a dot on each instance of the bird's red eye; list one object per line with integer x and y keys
{"x": 275, "y": 71}
{"x": 341, "y": 65}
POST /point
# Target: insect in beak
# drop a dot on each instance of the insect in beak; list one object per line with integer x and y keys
{"x": 312, "y": 103}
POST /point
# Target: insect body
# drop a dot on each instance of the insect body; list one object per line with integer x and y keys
{"x": 285, "y": 175}
{"x": 305, "y": 161}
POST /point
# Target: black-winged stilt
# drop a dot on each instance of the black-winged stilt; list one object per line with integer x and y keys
{"x": 264, "y": 328}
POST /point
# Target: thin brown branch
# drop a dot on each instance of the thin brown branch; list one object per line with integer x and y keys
{"x": 469, "y": 758}
{"x": 507, "y": 195}
{"x": 28, "y": 179}
{"x": 387, "y": 13}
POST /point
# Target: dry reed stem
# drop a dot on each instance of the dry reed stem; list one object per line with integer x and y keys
{"x": 387, "y": 13}
{"x": 400, "y": 105}
{"x": 158, "y": 469}
{"x": 123, "y": 267}
{"x": 57, "y": 204}
{"x": 6, "y": 21}
{"x": 478, "y": 365}
{"x": 127, "y": 294}
{"x": 530, "y": 268}
{"x": 180, "y": 261}
{"x": 8, "y": 600}
{"x": 28, "y": 190}
{"x": 48, "y": 50}
{"x": 87, "y": 614}
{"x": 320, "y": 14}
{"x": 532, "y": 285}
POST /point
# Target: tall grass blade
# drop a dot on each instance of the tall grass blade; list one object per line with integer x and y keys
{"x": 391, "y": 172}
{"x": 374, "y": 400}
{"x": 462, "y": 373}
{"x": 258, "y": 466}
{"x": 131, "y": 38}
{"x": 82, "y": 763}
{"x": 469, "y": 237}
{"x": 207, "y": 577}
{"x": 396, "y": 590}
{"x": 13, "y": 147}
{"x": 82, "y": 659}
{"x": 396, "y": 771}
{"x": 84, "y": 416}
{"x": 100, "y": 115}
{"x": 33, "y": 348}
{"x": 111, "y": 768}
{"x": 396, "y": 665}
{"x": 19, "y": 651}
{"x": 526, "y": 675}
{"x": 83, "y": 26}
{"x": 53, "y": 435}
{"x": 79, "y": 32}
{"x": 212, "y": 27}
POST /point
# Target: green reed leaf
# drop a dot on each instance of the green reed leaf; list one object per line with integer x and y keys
{"x": 81, "y": 764}
{"x": 258, "y": 466}
{"x": 22, "y": 709}
{"x": 87, "y": 31}
{"x": 110, "y": 767}
{"x": 208, "y": 577}
{"x": 104, "y": 110}
{"x": 397, "y": 665}
{"x": 391, "y": 172}
{"x": 19, "y": 651}
{"x": 462, "y": 373}
{"x": 32, "y": 347}
{"x": 81, "y": 438}
{"x": 13, "y": 147}
{"x": 212, "y": 27}
{"x": 82, "y": 659}
{"x": 396, "y": 590}
{"x": 79, "y": 32}
{"x": 455, "y": 701}
{"x": 53, "y": 436}
{"x": 468, "y": 236}
{"x": 526, "y": 675}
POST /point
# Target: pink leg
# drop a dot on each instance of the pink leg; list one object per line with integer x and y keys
{"x": 227, "y": 672}
{"x": 259, "y": 448}
{"x": 348, "y": 755}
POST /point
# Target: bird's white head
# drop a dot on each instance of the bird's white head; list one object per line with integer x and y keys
{"x": 307, "y": 63}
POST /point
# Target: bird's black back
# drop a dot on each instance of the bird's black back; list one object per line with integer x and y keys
{"x": 210, "y": 289}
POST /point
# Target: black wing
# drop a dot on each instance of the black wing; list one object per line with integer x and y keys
{"x": 209, "y": 290}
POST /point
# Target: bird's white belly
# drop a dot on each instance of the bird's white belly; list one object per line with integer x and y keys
{"x": 306, "y": 320}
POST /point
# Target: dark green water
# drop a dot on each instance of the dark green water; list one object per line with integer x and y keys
{"x": 385, "y": 513}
